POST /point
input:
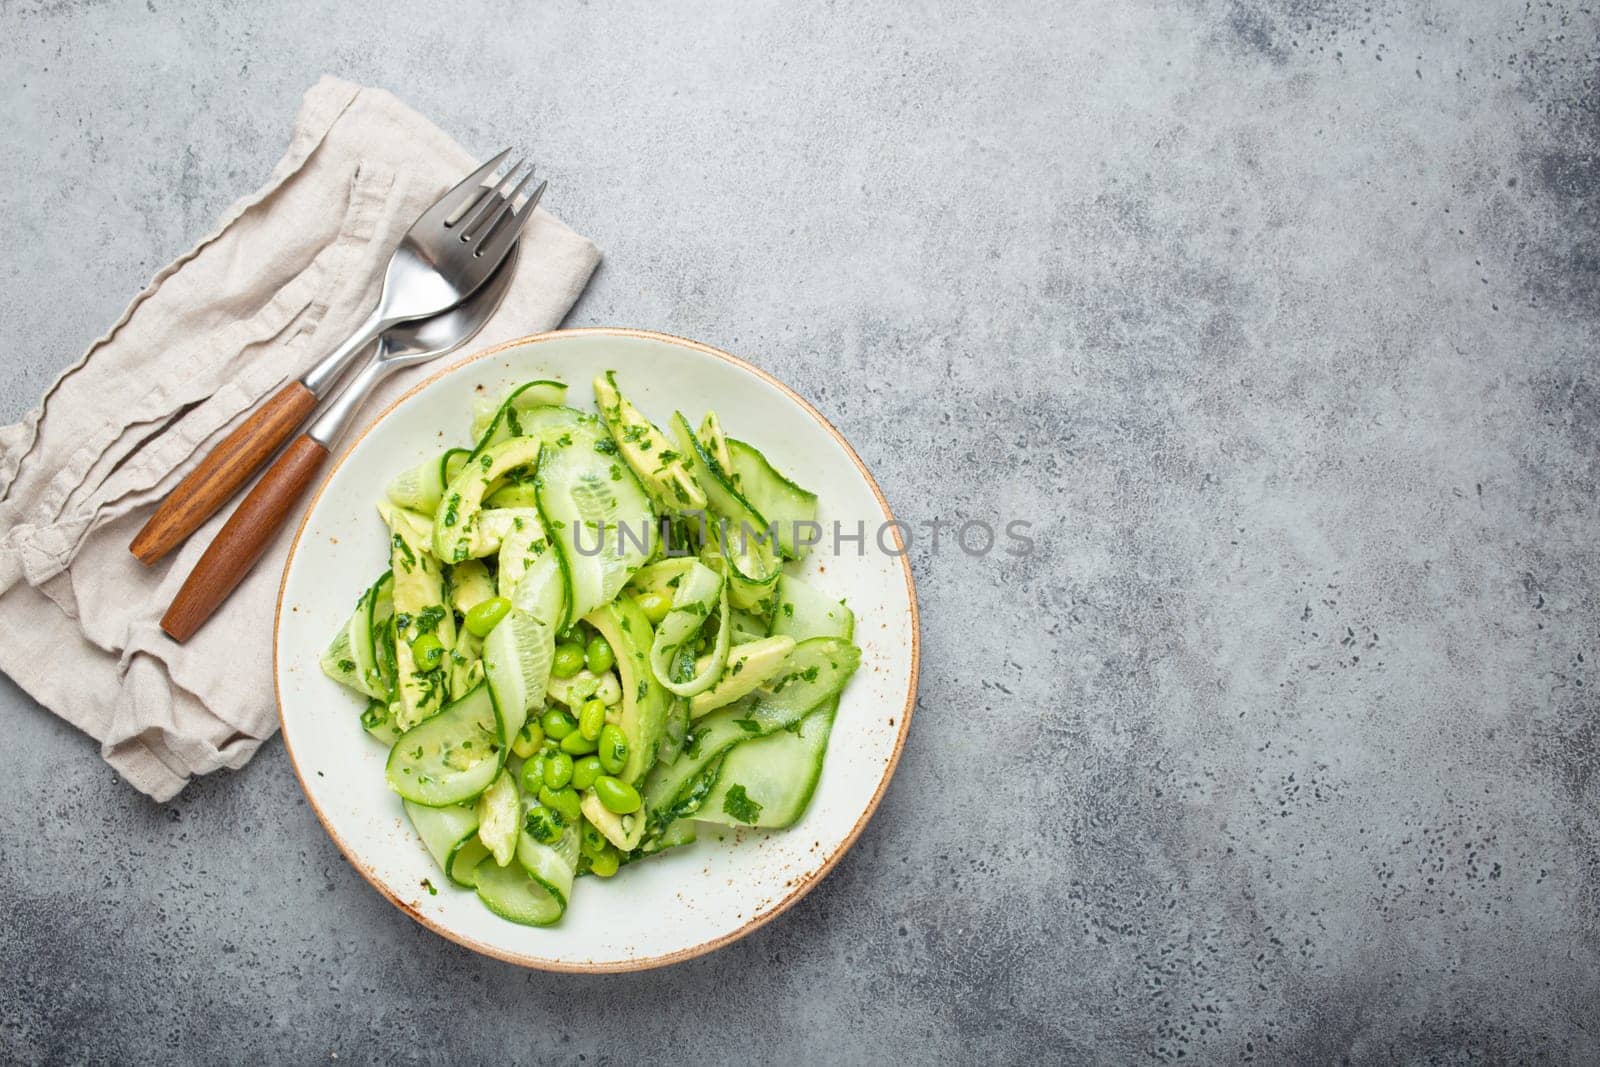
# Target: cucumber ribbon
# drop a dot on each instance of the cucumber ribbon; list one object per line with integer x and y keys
{"x": 700, "y": 590}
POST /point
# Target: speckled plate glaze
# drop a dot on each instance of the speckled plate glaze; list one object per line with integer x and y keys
{"x": 683, "y": 903}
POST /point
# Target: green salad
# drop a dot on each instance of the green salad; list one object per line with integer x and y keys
{"x": 586, "y": 645}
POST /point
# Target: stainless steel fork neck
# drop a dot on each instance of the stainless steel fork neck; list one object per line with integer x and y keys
{"x": 336, "y": 417}
{"x": 320, "y": 379}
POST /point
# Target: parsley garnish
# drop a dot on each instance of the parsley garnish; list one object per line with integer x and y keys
{"x": 739, "y": 805}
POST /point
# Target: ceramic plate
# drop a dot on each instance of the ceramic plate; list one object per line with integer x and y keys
{"x": 684, "y": 902}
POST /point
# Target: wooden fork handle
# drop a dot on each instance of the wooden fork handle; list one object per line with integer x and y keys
{"x": 246, "y": 534}
{"x": 210, "y": 485}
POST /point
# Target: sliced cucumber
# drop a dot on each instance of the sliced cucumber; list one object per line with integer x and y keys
{"x": 597, "y": 514}
{"x": 815, "y": 671}
{"x": 769, "y": 782}
{"x": 700, "y": 590}
{"x": 451, "y": 757}
{"x": 517, "y": 652}
{"x": 504, "y": 418}
{"x": 737, "y": 530}
{"x": 522, "y": 545}
{"x": 534, "y": 890}
{"x": 644, "y": 702}
{"x": 381, "y": 629}
{"x": 778, "y": 500}
{"x": 443, "y": 830}
{"x": 420, "y": 487}
{"x": 351, "y": 658}
{"x": 465, "y": 860}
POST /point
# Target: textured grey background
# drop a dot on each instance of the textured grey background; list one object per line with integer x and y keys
{"x": 1280, "y": 320}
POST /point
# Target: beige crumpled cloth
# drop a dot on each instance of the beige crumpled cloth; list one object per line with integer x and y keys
{"x": 287, "y": 274}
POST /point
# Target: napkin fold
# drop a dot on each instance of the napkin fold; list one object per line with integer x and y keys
{"x": 287, "y": 274}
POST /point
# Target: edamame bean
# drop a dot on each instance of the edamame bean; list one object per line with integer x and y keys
{"x": 427, "y": 650}
{"x": 528, "y": 739}
{"x": 486, "y": 615}
{"x": 592, "y": 718}
{"x": 585, "y": 771}
{"x": 563, "y": 800}
{"x": 533, "y": 774}
{"x": 613, "y": 748}
{"x": 557, "y": 770}
{"x": 590, "y": 840}
{"x": 575, "y": 744}
{"x": 543, "y": 825}
{"x": 557, "y": 724}
{"x": 598, "y": 656}
{"x": 568, "y": 660}
{"x": 654, "y": 605}
{"x": 618, "y": 796}
{"x": 605, "y": 863}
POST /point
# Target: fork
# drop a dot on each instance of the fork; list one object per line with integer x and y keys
{"x": 446, "y": 254}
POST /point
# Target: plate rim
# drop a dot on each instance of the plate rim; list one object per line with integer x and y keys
{"x": 805, "y": 885}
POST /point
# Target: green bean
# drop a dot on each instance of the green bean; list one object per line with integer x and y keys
{"x": 575, "y": 744}
{"x": 528, "y": 739}
{"x": 598, "y": 657}
{"x": 563, "y": 800}
{"x": 585, "y": 770}
{"x": 486, "y": 615}
{"x": 654, "y": 605}
{"x": 558, "y": 770}
{"x": 613, "y": 748}
{"x": 605, "y": 863}
{"x": 567, "y": 661}
{"x": 557, "y": 724}
{"x": 592, "y": 718}
{"x": 427, "y": 650}
{"x": 618, "y": 796}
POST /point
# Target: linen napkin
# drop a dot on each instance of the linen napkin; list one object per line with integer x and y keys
{"x": 288, "y": 273}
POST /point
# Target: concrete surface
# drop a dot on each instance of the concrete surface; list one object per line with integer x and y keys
{"x": 1279, "y": 317}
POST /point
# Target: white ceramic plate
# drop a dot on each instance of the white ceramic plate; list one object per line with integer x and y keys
{"x": 682, "y": 903}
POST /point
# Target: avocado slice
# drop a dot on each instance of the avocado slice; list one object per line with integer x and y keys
{"x": 662, "y": 472}
{"x": 456, "y": 536}
{"x": 749, "y": 666}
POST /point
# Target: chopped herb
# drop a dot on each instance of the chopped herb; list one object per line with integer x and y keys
{"x": 749, "y": 726}
{"x": 644, "y": 689}
{"x": 606, "y": 446}
{"x": 451, "y": 510}
{"x": 408, "y": 559}
{"x": 347, "y": 665}
{"x": 739, "y": 805}
{"x": 737, "y": 667}
{"x": 810, "y": 673}
{"x": 788, "y": 611}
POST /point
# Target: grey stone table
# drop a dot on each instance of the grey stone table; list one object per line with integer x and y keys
{"x": 1279, "y": 319}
